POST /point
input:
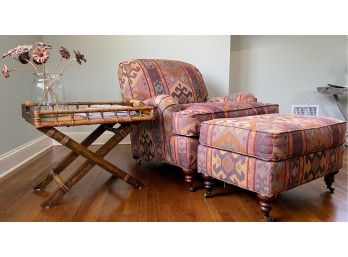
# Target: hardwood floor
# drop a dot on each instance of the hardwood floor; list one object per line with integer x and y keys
{"x": 101, "y": 197}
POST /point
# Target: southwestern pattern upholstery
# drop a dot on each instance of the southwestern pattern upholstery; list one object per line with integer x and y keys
{"x": 238, "y": 97}
{"x": 146, "y": 78}
{"x": 150, "y": 140}
{"x": 188, "y": 121}
{"x": 178, "y": 92}
{"x": 268, "y": 177}
{"x": 273, "y": 137}
{"x": 184, "y": 151}
{"x": 271, "y": 153}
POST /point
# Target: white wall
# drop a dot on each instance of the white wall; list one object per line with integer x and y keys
{"x": 288, "y": 69}
{"x": 97, "y": 79}
{"x": 14, "y": 131}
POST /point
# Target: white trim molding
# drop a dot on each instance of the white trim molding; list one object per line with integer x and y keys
{"x": 23, "y": 154}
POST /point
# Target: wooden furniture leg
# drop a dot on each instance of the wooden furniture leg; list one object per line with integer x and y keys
{"x": 266, "y": 206}
{"x": 208, "y": 185}
{"x": 120, "y": 133}
{"x": 92, "y": 160}
{"x": 42, "y": 180}
{"x": 189, "y": 174}
{"x": 329, "y": 180}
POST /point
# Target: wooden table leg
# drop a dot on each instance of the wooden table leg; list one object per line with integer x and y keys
{"x": 93, "y": 159}
{"x": 42, "y": 180}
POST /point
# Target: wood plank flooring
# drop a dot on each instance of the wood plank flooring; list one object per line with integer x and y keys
{"x": 101, "y": 197}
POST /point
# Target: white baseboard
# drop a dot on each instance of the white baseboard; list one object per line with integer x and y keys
{"x": 23, "y": 154}
{"x": 19, "y": 156}
{"x": 79, "y": 136}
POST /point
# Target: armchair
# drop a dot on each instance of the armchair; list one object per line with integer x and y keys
{"x": 180, "y": 96}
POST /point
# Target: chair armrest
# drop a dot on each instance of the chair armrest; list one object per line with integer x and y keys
{"x": 237, "y": 97}
{"x": 162, "y": 126}
{"x": 165, "y": 107}
{"x": 163, "y": 103}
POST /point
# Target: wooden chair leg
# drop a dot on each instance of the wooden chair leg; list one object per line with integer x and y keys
{"x": 42, "y": 180}
{"x": 329, "y": 180}
{"x": 189, "y": 174}
{"x": 266, "y": 206}
{"x": 208, "y": 185}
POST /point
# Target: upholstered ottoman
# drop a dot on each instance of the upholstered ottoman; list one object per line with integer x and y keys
{"x": 270, "y": 153}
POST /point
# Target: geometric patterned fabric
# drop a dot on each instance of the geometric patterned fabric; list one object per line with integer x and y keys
{"x": 271, "y": 153}
{"x": 188, "y": 121}
{"x": 267, "y": 177}
{"x": 171, "y": 87}
{"x": 273, "y": 136}
{"x": 145, "y": 78}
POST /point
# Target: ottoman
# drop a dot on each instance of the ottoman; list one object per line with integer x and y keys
{"x": 269, "y": 154}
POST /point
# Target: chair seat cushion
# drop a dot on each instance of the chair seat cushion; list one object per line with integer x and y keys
{"x": 187, "y": 122}
{"x": 273, "y": 137}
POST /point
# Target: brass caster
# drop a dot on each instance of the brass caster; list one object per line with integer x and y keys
{"x": 207, "y": 194}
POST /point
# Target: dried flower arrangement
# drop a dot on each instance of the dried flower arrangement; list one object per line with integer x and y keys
{"x": 38, "y": 57}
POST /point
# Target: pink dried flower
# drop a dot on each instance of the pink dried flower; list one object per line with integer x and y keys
{"x": 79, "y": 57}
{"x": 5, "y": 71}
{"x": 46, "y": 46}
{"x": 17, "y": 50}
{"x": 64, "y": 52}
{"x": 40, "y": 55}
{"x": 21, "y": 49}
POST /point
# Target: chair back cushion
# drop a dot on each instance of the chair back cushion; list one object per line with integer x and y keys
{"x": 142, "y": 79}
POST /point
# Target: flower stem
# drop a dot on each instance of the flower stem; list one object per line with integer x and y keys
{"x": 29, "y": 63}
{"x": 47, "y": 89}
{"x": 32, "y": 65}
{"x": 61, "y": 58}
{"x": 71, "y": 62}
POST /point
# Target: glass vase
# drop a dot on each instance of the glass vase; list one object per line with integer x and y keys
{"x": 47, "y": 91}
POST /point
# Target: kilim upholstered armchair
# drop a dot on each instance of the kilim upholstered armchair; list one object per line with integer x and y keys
{"x": 178, "y": 92}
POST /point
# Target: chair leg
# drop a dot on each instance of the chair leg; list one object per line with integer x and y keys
{"x": 189, "y": 174}
{"x": 329, "y": 180}
{"x": 266, "y": 206}
{"x": 208, "y": 185}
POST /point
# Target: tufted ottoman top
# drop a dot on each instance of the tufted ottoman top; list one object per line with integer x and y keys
{"x": 273, "y": 137}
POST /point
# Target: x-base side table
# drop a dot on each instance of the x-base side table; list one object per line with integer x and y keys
{"x": 80, "y": 113}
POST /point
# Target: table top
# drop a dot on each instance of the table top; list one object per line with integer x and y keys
{"x": 85, "y": 113}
